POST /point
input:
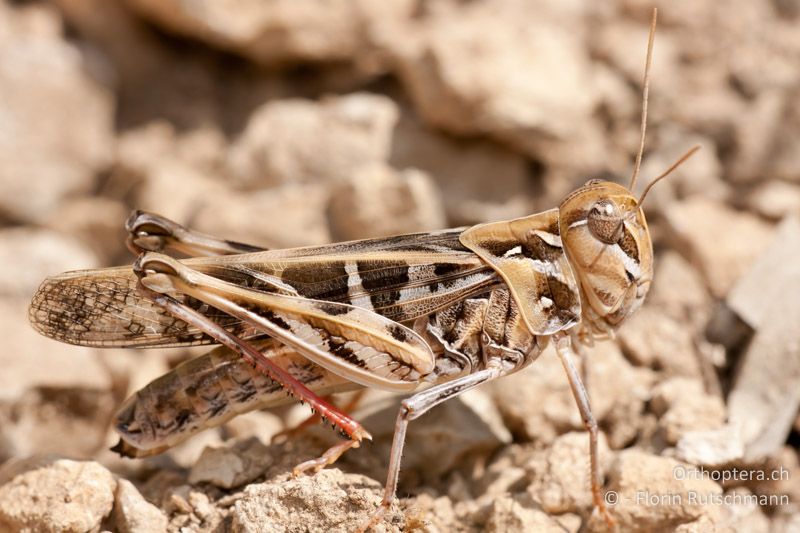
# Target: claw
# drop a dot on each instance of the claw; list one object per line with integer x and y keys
{"x": 600, "y": 508}
{"x": 376, "y": 517}
{"x": 328, "y": 458}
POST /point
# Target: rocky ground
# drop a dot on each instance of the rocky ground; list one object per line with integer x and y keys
{"x": 293, "y": 123}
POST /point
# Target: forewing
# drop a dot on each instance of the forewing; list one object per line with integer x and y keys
{"x": 104, "y": 308}
{"x": 401, "y": 278}
{"x": 528, "y": 254}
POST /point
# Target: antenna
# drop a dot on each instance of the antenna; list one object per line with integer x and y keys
{"x": 667, "y": 172}
{"x": 645, "y": 91}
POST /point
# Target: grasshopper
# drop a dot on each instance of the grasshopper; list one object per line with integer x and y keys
{"x": 450, "y": 309}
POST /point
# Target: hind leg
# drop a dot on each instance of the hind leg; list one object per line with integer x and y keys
{"x": 149, "y": 232}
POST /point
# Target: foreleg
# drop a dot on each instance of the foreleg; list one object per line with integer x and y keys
{"x": 564, "y": 350}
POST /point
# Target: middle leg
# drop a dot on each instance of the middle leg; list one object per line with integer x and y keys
{"x": 416, "y": 406}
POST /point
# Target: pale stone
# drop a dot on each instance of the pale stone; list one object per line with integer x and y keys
{"x": 56, "y": 121}
{"x": 97, "y": 223}
{"x": 329, "y": 500}
{"x": 261, "y": 424}
{"x": 30, "y": 360}
{"x": 281, "y": 217}
{"x": 464, "y": 171}
{"x": 439, "y": 441}
{"x": 712, "y": 448}
{"x": 765, "y": 396}
{"x": 508, "y": 513}
{"x": 560, "y": 474}
{"x": 178, "y": 191}
{"x": 776, "y": 199}
{"x": 298, "y": 140}
{"x": 28, "y": 256}
{"x": 66, "y": 495}
{"x": 684, "y": 406}
{"x": 772, "y": 276}
{"x": 231, "y": 467}
{"x": 722, "y": 242}
{"x": 379, "y": 201}
{"x": 134, "y": 514}
{"x": 537, "y": 403}
{"x": 650, "y": 498}
{"x": 468, "y": 71}
{"x": 280, "y": 31}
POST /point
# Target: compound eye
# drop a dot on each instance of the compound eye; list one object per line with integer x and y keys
{"x": 605, "y": 222}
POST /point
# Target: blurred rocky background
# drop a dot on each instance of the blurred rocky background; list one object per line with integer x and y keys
{"x": 296, "y": 122}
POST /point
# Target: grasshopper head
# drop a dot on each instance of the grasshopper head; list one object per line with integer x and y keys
{"x": 605, "y": 236}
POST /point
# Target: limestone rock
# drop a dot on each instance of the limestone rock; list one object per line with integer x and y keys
{"x": 678, "y": 289}
{"x": 329, "y": 500}
{"x": 537, "y": 403}
{"x": 650, "y": 498}
{"x": 191, "y": 509}
{"x": 722, "y": 242}
{"x": 776, "y": 199}
{"x": 684, "y": 406}
{"x": 618, "y": 392}
{"x": 178, "y": 191}
{"x": 297, "y": 140}
{"x": 765, "y": 396}
{"x": 260, "y": 424}
{"x": 134, "y": 514}
{"x": 437, "y": 515}
{"x": 771, "y": 276}
{"x": 711, "y": 447}
{"x": 28, "y": 256}
{"x": 187, "y": 453}
{"x": 278, "y": 31}
{"x": 743, "y": 512}
{"x": 441, "y": 440}
{"x": 467, "y": 172}
{"x": 755, "y": 130}
{"x": 170, "y": 173}
{"x": 30, "y": 359}
{"x": 468, "y": 70}
{"x": 103, "y": 232}
{"x": 41, "y": 161}
{"x": 281, "y": 217}
{"x": 76, "y": 414}
{"x": 231, "y": 467}
{"x": 510, "y": 514}
{"x": 379, "y": 201}
{"x": 63, "y": 496}
{"x": 560, "y": 474}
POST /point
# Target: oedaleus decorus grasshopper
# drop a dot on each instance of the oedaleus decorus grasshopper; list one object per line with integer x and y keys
{"x": 451, "y": 309}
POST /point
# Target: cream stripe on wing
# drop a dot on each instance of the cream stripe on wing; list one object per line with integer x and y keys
{"x": 355, "y": 290}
